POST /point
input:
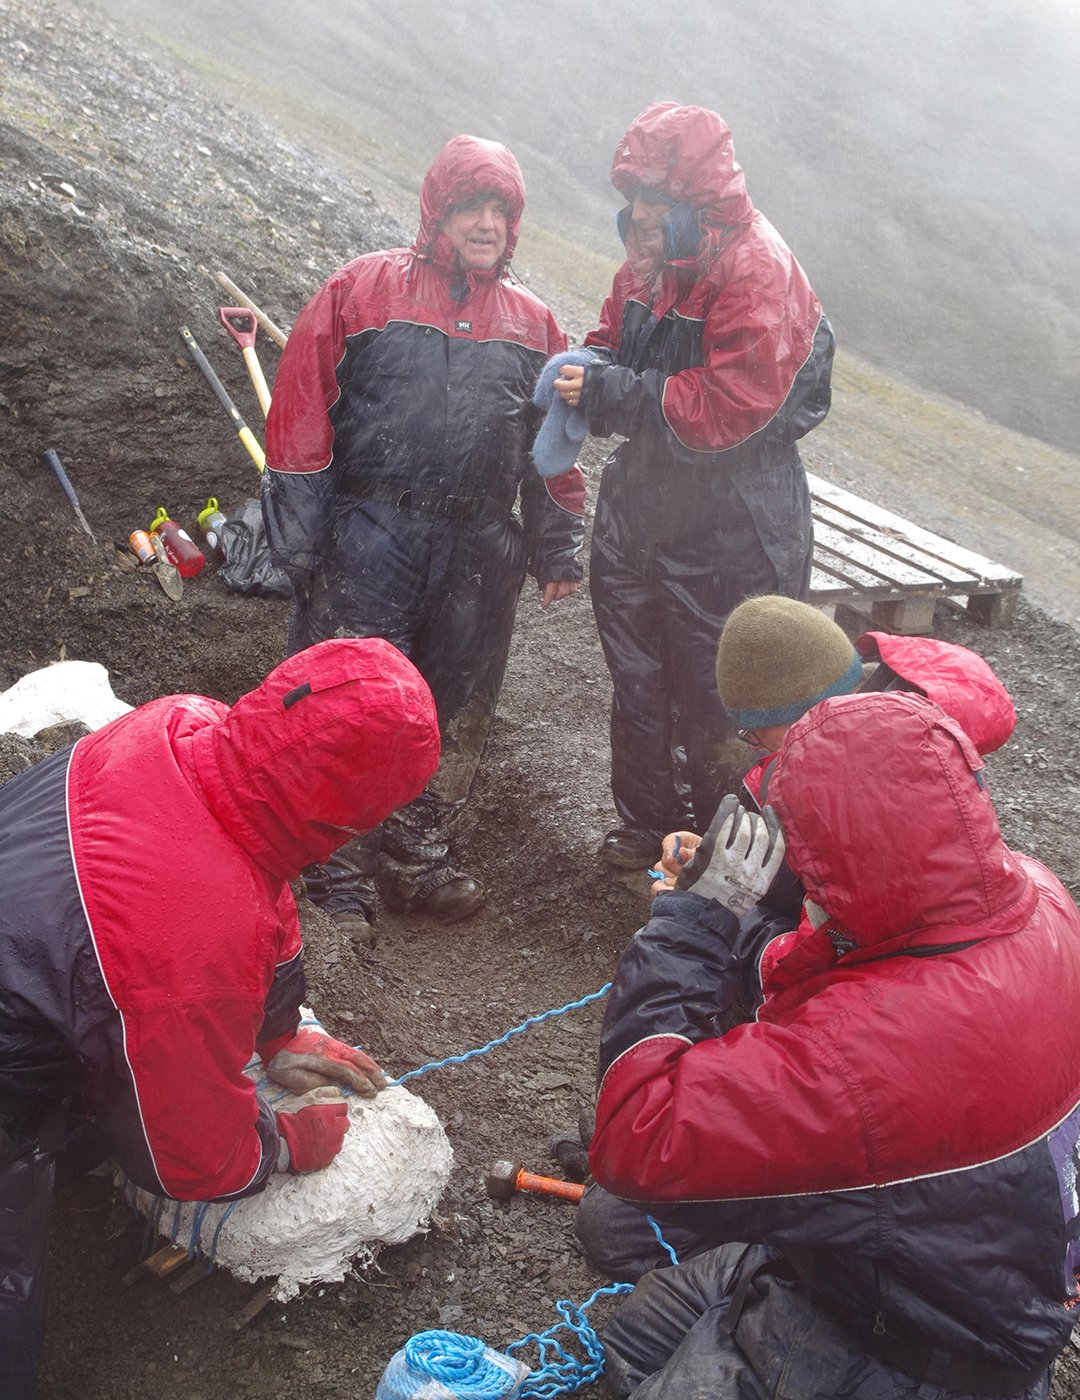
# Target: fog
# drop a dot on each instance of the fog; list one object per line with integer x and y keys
{"x": 921, "y": 159}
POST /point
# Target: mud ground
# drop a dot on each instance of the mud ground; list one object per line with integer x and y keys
{"x": 95, "y": 281}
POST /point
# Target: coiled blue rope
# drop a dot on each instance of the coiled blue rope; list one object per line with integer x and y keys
{"x": 467, "y": 1369}
{"x": 463, "y": 1364}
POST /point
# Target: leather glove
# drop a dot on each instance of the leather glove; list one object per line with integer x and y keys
{"x": 312, "y": 1131}
{"x": 313, "y": 1059}
{"x": 738, "y": 858}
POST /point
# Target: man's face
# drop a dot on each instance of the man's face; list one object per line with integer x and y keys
{"x": 647, "y": 211}
{"x": 478, "y": 231}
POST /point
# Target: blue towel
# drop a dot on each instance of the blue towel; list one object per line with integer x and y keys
{"x": 563, "y": 430}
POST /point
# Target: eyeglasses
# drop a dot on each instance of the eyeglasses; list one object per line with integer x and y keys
{"x": 751, "y": 737}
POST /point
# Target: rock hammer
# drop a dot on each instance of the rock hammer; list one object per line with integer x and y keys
{"x": 506, "y": 1178}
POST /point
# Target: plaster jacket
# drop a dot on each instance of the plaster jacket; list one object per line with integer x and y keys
{"x": 149, "y": 941}
{"x": 895, "y": 1120}
{"x": 406, "y": 374}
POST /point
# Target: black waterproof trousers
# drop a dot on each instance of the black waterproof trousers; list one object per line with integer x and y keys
{"x": 660, "y": 607}
{"x": 736, "y": 1322}
{"x": 27, "y": 1177}
{"x": 444, "y": 592}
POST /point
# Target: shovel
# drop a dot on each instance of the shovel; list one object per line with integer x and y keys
{"x": 242, "y": 325}
{"x": 247, "y": 437}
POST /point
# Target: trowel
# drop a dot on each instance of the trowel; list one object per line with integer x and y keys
{"x": 166, "y": 573}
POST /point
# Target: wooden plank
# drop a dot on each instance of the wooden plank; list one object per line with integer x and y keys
{"x": 887, "y": 545}
{"x": 985, "y": 570}
{"x": 911, "y": 617}
{"x": 166, "y": 1260}
{"x": 199, "y": 1270}
{"x": 866, "y": 554}
{"x": 830, "y": 545}
{"x": 254, "y": 1305}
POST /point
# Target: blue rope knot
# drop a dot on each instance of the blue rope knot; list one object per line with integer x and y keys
{"x": 464, "y": 1364}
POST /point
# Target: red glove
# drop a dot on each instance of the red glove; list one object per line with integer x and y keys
{"x": 312, "y": 1059}
{"x": 312, "y": 1131}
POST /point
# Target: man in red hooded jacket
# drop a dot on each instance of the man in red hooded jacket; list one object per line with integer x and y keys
{"x": 397, "y": 444}
{"x": 885, "y": 1150}
{"x": 712, "y": 358}
{"x": 150, "y": 944}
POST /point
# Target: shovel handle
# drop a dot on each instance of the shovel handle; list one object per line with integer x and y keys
{"x": 244, "y": 335}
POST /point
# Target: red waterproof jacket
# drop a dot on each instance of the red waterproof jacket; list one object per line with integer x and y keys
{"x": 717, "y": 371}
{"x": 150, "y": 941}
{"x": 407, "y": 377}
{"x": 897, "y": 1120}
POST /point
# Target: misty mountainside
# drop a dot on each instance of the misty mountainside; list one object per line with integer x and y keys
{"x": 920, "y": 159}
{"x": 183, "y": 160}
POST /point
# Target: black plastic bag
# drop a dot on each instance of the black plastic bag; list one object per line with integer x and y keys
{"x": 247, "y": 567}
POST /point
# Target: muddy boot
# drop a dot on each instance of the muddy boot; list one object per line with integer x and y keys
{"x": 628, "y": 848}
{"x": 357, "y": 927}
{"x": 456, "y": 897}
{"x": 415, "y": 871}
{"x": 445, "y": 894}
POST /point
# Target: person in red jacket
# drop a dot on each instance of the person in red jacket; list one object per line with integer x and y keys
{"x": 712, "y": 358}
{"x": 397, "y": 445}
{"x": 150, "y": 944}
{"x": 884, "y": 1151}
{"x": 777, "y": 659}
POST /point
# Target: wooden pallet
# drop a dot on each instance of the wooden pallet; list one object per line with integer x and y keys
{"x": 864, "y": 554}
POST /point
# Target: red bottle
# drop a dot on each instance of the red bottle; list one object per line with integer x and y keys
{"x": 180, "y": 548}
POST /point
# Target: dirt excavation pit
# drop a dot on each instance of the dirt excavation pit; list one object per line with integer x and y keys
{"x": 123, "y": 188}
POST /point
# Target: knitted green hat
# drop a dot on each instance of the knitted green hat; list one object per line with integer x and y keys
{"x": 778, "y": 657}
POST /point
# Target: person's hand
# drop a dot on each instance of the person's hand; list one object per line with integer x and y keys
{"x": 569, "y": 384}
{"x": 558, "y": 588}
{"x": 312, "y": 1059}
{"x": 738, "y": 858}
{"x": 677, "y": 850}
{"x": 312, "y": 1131}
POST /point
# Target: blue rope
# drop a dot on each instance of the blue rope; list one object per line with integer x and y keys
{"x": 194, "y": 1243}
{"x": 560, "y": 1371}
{"x": 213, "y": 1242}
{"x": 502, "y": 1039}
{"x": 659, "y": 1235}
{"x": 463, "y": 1365}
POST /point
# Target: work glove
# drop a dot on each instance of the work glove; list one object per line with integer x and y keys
{"x": 313, "y": 1059}
{"x": 738, "y": 857}
{"x": 312, "y": 1131}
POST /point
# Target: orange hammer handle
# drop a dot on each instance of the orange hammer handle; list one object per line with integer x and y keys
{"x": 549, "y": 1186}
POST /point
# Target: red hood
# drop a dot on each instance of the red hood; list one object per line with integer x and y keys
{"x": 465, "y": 167}
{"x": 888, "y": 825}
{"x": 334, "y": 740}
{"x": 958, "y": 680}
{"x": 686, "y": 153}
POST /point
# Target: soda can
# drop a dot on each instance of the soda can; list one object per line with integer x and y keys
{"x": 141, "y": 546}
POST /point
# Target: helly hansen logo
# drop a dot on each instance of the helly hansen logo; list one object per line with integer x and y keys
{"x": 463, "y": 325}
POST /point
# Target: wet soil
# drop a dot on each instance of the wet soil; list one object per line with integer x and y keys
{"x": 123, "y": 187}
